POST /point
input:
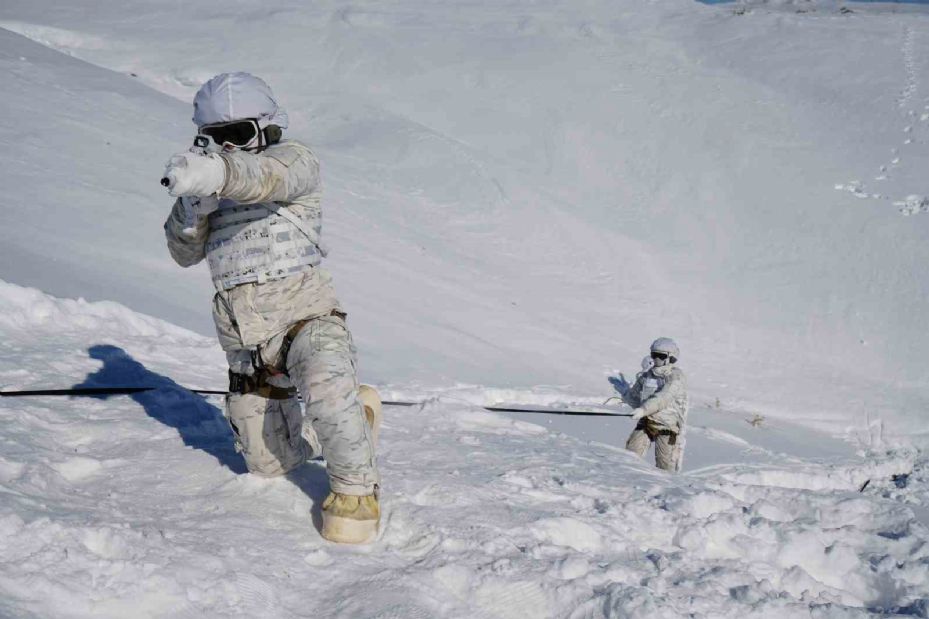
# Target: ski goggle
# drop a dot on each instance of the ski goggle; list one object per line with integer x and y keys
{"x": 238, "y": 132}
{"x": 660, "y": 356}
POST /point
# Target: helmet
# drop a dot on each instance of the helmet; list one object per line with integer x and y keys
{"x": 230, "y": 97}
{"x": 667, "y": 346}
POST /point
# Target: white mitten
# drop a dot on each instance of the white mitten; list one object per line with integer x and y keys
{"x": 192, "y": 174}
{"x": 638, "y": 414}
{"x": 647, "y": 363}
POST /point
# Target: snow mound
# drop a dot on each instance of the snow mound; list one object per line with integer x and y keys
{"x": 78, "y": 337}
{"x": 24, "y": 309}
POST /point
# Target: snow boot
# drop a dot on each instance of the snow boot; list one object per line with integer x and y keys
{"x": 349, "y": 519}
{"x": 372, "y": 407}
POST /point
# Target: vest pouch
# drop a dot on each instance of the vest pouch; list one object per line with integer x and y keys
{"x": 253, "y": 243}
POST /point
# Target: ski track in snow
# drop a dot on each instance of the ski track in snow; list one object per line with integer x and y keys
{"x": 138, "y": 506}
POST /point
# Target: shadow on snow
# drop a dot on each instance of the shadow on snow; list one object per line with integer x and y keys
{"x": 200, "y": 424}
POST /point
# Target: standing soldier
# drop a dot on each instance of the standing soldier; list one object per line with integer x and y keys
{"x": 249, "y": 202}
{"x": 659, "y": 397}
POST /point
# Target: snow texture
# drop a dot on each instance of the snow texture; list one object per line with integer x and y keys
{"x": 519, "y": 199}
{"x": 139, "y": 506}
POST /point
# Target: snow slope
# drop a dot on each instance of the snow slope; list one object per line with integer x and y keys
{"x": 519, "y": 198}
{"x": 523, "y": 195}
{"x": 137, "y": 506}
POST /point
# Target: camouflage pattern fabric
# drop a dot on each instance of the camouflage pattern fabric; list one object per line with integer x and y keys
{"x": 669, "y": 448}
{"x": 321, "y": 363}
{"x": 253, "y": 237}
{"x": 666, "y": 409}
{"x": 267, "y": 433}
{"x": 255, "y": 316}
{"x": 665, "y": 416}
{"x": 250, "y": 314}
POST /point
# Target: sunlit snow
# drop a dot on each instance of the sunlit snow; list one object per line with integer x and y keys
{"x": 519, "y": 197}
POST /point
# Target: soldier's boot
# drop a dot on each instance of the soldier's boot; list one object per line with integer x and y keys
{"x": 349, "y": 519}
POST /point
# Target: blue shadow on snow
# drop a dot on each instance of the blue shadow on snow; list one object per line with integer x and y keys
{"x": 199, "y": 424}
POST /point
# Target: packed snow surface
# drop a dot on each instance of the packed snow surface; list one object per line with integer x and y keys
{"x": 519, "y": 197}
{"x": 138, "y": 506}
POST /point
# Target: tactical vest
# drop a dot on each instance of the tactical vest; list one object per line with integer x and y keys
{"x": 650, "y": 386}
{"x": 260, "y": 242}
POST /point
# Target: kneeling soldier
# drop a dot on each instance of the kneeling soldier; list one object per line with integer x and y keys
{"x": 249, "y": 202}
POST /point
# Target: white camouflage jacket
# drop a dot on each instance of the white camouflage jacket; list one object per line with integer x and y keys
{"x": 666, "y": 409}
{"x": 251, "y": 314}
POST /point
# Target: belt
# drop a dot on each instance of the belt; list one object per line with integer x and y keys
{"x": 653, "y": 433}
{"x": 258, "y": 384}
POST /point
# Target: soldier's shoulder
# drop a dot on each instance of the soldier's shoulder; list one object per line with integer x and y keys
{"x": 678, "y": 373}
{"x": 289, "y": 151}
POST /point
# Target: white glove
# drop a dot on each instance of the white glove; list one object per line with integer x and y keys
{"x": 647, "y": 363}
{"x": 638, "y": 414}
{"x": 192, "y": 174}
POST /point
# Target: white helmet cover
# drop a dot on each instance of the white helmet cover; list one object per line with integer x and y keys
{"x": 237, "y": 96}
{"x": 666, "y": 345}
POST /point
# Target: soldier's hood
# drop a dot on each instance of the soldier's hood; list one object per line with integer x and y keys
{"x": 237, "y": 96}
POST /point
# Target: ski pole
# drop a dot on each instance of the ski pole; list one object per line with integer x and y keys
{"x": 92, "y": 391}
{"x": 98, "y": 391}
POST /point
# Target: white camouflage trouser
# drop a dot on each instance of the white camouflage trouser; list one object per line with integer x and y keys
{"x": 267, "y": 433}
{"x": 321, "y": 364}
{"x": 669, "y": 448}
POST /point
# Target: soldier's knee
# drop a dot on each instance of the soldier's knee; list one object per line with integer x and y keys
{"x": 638, "y": 442}
{"x": 666, "y": 465}
{"x": 267, "y": 433}
{"x": 668, "y": 452}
